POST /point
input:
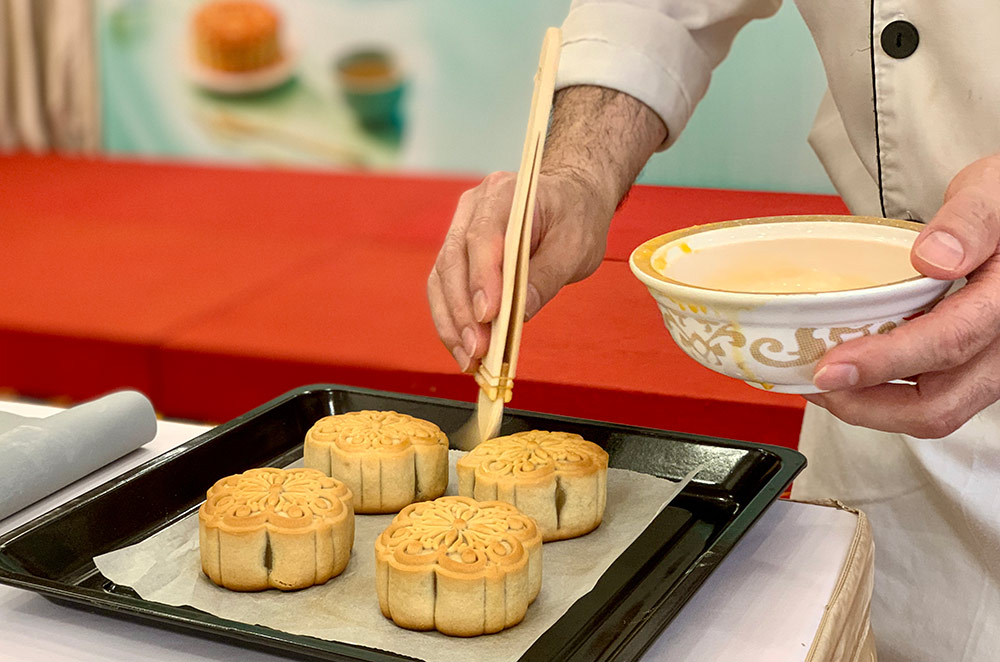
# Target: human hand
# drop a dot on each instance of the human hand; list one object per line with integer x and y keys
{"x": 952, "y": 354}
{"x": 568, "y": 240}
{"x": 597, "y": 143}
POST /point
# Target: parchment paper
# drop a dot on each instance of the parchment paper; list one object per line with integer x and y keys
{"x": 166, "y": 568}
{"x": 44, "y": 455}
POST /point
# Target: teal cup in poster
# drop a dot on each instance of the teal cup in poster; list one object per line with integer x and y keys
{"x": 372, "y": 86}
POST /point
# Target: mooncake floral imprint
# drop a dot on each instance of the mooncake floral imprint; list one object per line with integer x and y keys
{"x": 557, "y": 478}
{"x": 275, "y": 528}
{"x": 388, "y": 459}
{"x": 457, "y": 565}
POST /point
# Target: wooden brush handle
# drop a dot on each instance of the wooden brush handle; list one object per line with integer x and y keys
{"x": 505, "y": 338}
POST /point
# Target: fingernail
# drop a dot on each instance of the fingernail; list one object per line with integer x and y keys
{"x": 836, "y": 376}
{"x": 461, "y": 358}
{"x": 941, "y": 250}
{"x": 532, "y": 302}
{"x": 469, "y": 341}
{"x": 479, "y": 305}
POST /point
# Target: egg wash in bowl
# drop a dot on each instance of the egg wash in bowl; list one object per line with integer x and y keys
{"x": 787, "y": 256}
{"x": 763, "y": 299}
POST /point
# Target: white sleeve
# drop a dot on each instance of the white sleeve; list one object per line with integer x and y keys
{"x": 662, "y": 52}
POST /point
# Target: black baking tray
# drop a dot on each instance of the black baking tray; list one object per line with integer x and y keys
{"x": 629, "y": 607}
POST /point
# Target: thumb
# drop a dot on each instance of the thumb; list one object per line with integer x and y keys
{"x": 548, "y": 271}
{"x": 966, "y": 229}
{"x": 558, "y": 261}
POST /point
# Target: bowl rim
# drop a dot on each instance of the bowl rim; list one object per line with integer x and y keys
{"x": 645, "y": 272}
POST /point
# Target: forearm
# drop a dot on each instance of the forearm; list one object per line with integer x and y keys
{"x": 602, "y": 139}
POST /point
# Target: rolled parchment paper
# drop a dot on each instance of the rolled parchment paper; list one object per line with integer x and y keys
{"x": 39, "y": 456}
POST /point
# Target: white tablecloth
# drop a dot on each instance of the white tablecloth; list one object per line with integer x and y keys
{"x": 764, "y": 602}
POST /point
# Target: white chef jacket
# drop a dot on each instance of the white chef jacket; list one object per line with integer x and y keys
{"x": 896, "y": 125}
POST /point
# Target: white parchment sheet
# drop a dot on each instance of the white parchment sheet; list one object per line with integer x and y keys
{"x": 166, "y": 568}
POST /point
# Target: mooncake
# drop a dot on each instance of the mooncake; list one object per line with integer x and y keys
{"x": 236, "y": 35}
{"x": 459, "y": 566}
{"x": 389, "y": 460}
{"x": 275, "y": 528}
{"x": 557, "y": 478}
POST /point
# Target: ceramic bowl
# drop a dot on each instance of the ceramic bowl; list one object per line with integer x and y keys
{"x": 763, "y": 299}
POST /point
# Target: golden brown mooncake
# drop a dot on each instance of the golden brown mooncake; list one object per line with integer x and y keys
{"x": 457, "y": 565}
{"x": 389, "y": 460}
{"x": 275, "y": 528}
{"x": 557, "y": 478}
{"x": 236, "y": 35}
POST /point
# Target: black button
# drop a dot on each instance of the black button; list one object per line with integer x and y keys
{"x": 900, "y": 39}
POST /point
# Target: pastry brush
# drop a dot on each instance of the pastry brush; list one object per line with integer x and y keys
{"x": 495, "y": 374}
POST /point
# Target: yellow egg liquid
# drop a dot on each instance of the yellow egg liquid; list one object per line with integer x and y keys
{"x": 793, "y": 265}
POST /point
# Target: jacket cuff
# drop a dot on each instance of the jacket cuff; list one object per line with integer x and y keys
{"x": 640, "y": 52}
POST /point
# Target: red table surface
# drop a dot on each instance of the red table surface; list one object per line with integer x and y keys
{"x": 213, "y": 289}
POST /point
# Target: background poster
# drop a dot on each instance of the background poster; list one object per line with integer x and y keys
{"x": 465, "y": 72}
